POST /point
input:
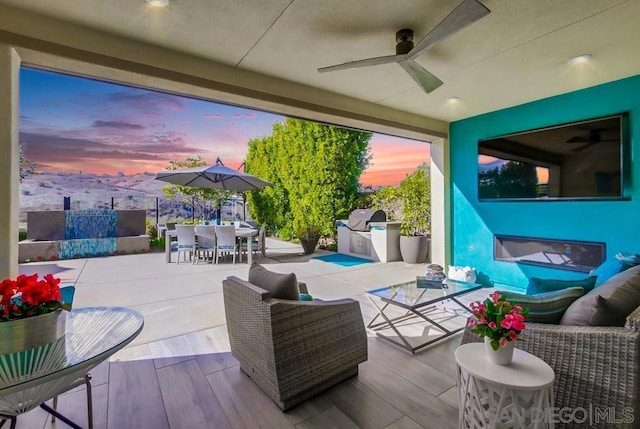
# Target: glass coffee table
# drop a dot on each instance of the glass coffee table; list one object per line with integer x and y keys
{"x": 402, "y": 305}
{"x": 31, "y": 377}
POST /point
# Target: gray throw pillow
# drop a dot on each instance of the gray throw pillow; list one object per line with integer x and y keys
{"x": 608, "y": 304}
{"x": 282, "y": 286}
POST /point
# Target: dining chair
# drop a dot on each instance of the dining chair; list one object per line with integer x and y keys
{"x": 206, "y": 238}
{"x": 225, "y": 241}
{"x": 186, "y": 240}
{"x": 257, "y": 243}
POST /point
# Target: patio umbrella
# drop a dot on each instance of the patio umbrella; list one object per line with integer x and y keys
{"x": 215, "y": 176}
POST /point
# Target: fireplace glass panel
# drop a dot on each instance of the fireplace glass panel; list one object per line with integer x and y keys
{"x": 562, "y": 254}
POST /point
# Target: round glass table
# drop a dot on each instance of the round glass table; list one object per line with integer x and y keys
{"x": 92, "y": 334}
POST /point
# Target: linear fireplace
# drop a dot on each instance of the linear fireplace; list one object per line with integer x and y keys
{"x": 562, "y": 254}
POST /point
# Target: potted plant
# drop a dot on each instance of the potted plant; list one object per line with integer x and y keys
{"x": 415, "y": 193}
{"x": 500, "y": 323}
{"x": 307, "y": 225}
{"x": 309, "y": 237}
{"x": 30, "y": 312}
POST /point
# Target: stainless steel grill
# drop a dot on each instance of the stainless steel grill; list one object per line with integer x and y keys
{"x": 360, "y": 219}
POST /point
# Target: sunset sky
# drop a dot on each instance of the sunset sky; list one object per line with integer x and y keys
{"x": 72, "y": 124}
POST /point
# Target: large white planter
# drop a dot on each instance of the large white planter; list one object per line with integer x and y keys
{"x": 502, "y": 356}
{"x": 414, "y": 249}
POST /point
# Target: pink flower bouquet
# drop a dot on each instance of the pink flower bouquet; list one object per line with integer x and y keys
{"x": 497, "y": 319}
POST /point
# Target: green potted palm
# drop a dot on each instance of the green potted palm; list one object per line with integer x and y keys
{"x": 415, "y": 193}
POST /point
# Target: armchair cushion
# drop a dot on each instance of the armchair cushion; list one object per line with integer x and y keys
{"x": 609, "y": 304}
{"x": 547, "y": 307}
{"x": 281, "y": 286}
{"x": 305, "y": 297}
{"x": 538, "y": 285}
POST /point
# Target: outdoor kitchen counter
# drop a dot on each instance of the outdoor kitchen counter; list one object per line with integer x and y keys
{"x": 381, "y": 244}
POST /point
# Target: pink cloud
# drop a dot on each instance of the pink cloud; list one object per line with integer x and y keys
{"x": 393, "y": 158}
{"x": 250, "y": 115}
{"x": 213, "y": 116}
{"x": 236, "y": 116}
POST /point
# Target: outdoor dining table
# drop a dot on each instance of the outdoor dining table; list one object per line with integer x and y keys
{"x": 247, "y": 234}
{"x": 92, "y": 335}
{"x": 241, "y": 233}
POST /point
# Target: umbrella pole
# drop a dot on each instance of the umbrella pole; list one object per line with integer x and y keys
{"x": 244, "y": 207}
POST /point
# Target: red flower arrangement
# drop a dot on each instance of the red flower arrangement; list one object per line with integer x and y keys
{"x": 27, "y": 296}
{"x": 497, "y": 319}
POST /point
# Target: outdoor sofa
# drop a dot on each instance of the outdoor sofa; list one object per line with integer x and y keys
{"x": 293, "y": 349}
{"x": 597, "y": 368}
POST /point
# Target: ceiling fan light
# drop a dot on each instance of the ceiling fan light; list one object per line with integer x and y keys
{"x": 580, "y": 59}
{"x": 158, "y": 3}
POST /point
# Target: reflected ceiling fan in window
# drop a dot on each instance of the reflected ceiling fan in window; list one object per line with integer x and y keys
{"x": 466, "y": 13}
{"x": 594, "y": 137}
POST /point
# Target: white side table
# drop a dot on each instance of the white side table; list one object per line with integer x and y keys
{"x": 519, "y": 395}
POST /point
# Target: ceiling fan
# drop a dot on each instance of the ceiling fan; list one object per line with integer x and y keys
{"x": 593, "y": 138}
{"x": 464, "y": 14}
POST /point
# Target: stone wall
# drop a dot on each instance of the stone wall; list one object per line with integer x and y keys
{"x": 50, "y": 225}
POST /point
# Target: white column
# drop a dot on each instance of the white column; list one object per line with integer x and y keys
{"x": 440, "y": 251}
{"x": 9, "y": 161}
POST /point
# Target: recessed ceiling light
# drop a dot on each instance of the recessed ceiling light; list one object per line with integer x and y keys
{"x": 159, "y": 3}
{"x": 580, "y": 59}
{"x": 453, "y": 99}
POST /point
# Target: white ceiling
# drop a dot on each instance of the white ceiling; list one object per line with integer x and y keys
{"x": 516, "y": 54}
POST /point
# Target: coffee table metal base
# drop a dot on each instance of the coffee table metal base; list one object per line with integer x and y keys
{"x": 390, "y": 323}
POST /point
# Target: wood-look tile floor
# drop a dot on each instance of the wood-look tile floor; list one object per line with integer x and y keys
{"x": 193, "y": 381}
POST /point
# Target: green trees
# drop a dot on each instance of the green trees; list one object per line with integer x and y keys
{"x": 415, "y": 193}
{"x": 271, "y": 204}
{"x": 314, "y": 169}
{"x": 200, "y": 200}
{"x": 410, "y": 202}
{"x": 514, "y": 179}
{"x": 26, "y": 166}
{"x": 387, "y": 198}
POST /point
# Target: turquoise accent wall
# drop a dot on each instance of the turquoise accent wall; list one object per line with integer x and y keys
{"x": 474, "y": 223}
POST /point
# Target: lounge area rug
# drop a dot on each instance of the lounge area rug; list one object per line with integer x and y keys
{"x": 343, "y": 260}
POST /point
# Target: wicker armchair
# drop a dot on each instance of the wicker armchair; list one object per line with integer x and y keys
{"x": 596, "y": 367}
{"x": 293, "y": 349}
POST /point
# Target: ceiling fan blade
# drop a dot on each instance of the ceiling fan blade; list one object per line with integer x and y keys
{"x": 364, "y": 63}
{"x": 578, "y": 139}
{"x": 583, "y": 147}
{"x": 466, "y": 13}
{"x": 424, "y": 78}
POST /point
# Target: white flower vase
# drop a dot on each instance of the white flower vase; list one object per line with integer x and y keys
{"x": 502, "y": 356}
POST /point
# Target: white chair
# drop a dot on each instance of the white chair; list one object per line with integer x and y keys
{"x": 257, "y": 243}
{"x": 206, "y": 235}
{"x": 186, "y": 240}
{"x": 226, "y": 241}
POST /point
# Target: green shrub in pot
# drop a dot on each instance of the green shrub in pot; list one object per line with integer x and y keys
{"x": 415, "y": 193}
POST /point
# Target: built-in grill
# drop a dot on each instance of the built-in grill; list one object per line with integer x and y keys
{"x": 360, "y": 219}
